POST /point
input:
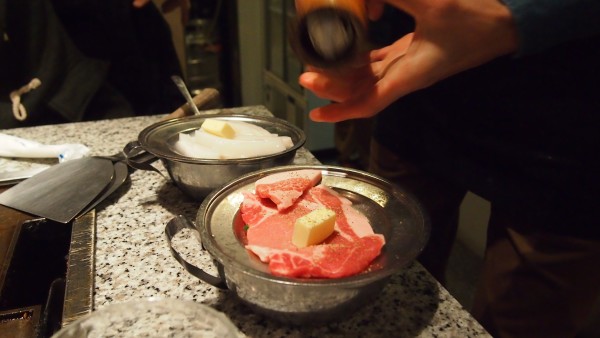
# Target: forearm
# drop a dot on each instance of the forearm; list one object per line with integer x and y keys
{"x": 544, "y": 24}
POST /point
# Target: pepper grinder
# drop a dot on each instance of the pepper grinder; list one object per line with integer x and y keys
{"x": 328, "y": 33}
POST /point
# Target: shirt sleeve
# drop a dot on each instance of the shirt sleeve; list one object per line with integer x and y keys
{"x": 542, "y": 24}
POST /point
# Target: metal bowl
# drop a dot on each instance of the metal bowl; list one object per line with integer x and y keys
{"x": 391, "y": 211}
{"x": 152, "y": 317}
{"x": 197, "y": 177}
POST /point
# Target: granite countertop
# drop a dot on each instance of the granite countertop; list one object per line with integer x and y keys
{"x": 133, "y": 260}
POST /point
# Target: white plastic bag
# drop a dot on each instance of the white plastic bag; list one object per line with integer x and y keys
{"x": 12, "y": 146}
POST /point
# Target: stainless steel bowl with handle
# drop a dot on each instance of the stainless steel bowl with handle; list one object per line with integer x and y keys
{"x": 392, "y": 212}
{"x": 197, "y": 177}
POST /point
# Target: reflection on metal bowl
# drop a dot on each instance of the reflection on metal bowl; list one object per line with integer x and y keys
{"x": 198, "y": 177}
{"x": 392, "y": 212}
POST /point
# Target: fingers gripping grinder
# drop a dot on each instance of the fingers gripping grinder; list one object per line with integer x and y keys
{"x": 329, "y": 33}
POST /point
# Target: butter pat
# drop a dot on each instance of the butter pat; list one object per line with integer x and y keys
{"x": 218, "y": 128}
{"x": 313, "y": 228}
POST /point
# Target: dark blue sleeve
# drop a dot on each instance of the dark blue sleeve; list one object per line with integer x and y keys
{"x": 542, "y": 24}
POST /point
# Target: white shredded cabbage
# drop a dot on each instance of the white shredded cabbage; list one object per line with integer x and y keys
{"x": 250, "y": 141}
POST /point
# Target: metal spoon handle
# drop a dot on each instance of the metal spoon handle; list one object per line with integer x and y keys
{"x": 183, "y": 89}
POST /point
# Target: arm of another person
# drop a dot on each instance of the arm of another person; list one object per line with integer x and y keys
{"x": 544, "y": 24}
{"x": 450, "y": 36}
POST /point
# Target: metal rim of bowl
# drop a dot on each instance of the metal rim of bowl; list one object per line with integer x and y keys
{"x": 183, "y": 124}
{"x": 209, "y": 242}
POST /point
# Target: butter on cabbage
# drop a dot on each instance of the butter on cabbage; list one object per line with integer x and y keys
{"x": 218, "y": 128}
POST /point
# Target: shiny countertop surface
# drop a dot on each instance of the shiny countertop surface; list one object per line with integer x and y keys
{"x": 133, "y": 260}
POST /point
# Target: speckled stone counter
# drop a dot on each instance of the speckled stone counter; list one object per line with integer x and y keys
{"x": 133, "y": 259}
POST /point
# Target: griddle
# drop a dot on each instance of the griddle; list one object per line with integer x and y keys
{"x": 46, "y": 272}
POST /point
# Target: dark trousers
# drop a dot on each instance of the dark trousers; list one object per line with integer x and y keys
{"x": 533, "y": 283}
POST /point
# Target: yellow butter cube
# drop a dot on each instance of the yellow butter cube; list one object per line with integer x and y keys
{"x": 219, "y": 128}
{"x": 313, "y": 228}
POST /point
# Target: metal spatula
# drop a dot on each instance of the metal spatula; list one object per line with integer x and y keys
{"x": 62, "y": 191}
{"x": 121, "y": 174}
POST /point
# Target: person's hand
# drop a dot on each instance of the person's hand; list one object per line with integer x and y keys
{"x": 450, "y": 36}
{"x": 168, "y": 6}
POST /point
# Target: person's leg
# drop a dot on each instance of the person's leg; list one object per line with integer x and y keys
{"x": 533, "y": 283}
{"x": 440, "y": 199}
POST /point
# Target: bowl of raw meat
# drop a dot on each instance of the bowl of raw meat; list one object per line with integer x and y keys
{"x": 307, "y": 244}
{"x": 203, "y": 152}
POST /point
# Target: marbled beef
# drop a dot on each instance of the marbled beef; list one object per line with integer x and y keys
{"x": 348, "y": 251}
{"x": 286, "y": 187}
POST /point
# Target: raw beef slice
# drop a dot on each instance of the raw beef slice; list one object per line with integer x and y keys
{"x": 348, "y": 251}
{"x": 286, "y": 187}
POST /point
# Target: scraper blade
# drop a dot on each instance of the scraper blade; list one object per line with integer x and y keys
{"x": 62, "y": 191}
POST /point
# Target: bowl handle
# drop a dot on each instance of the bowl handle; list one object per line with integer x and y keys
{"x": 173, "y": 227}
{"x": 138, "y": 158}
